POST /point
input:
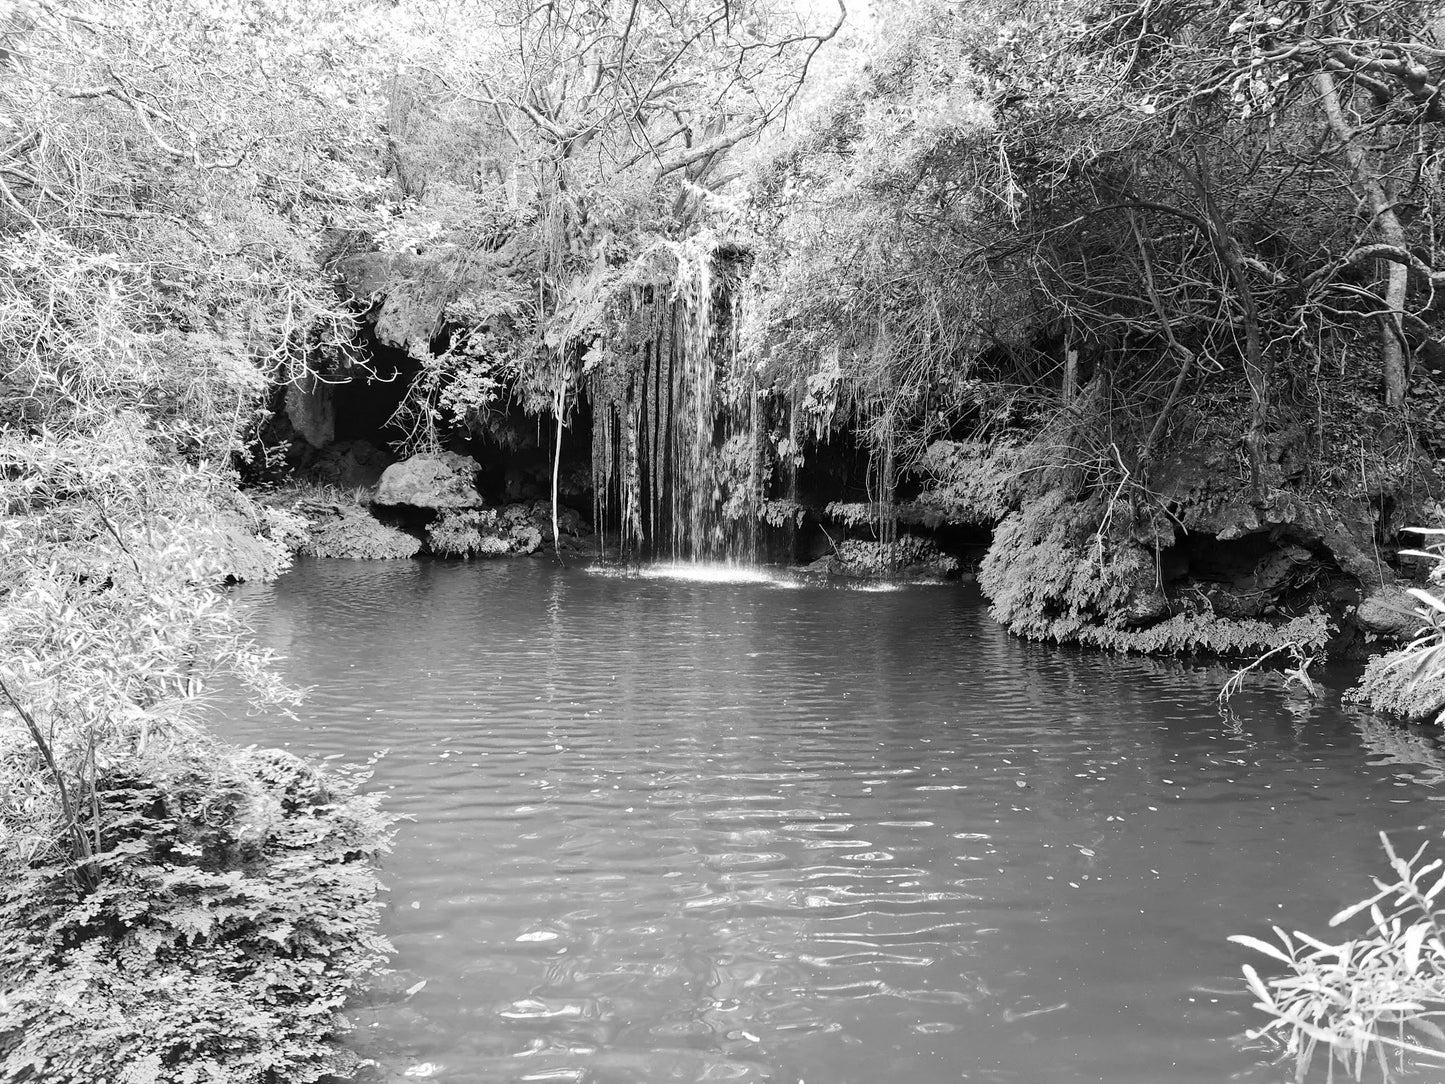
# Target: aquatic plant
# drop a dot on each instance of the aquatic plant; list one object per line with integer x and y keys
{"x": 1369, "y": 1000}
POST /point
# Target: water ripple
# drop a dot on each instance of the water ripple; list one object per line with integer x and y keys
{"x": 693, "y": 828}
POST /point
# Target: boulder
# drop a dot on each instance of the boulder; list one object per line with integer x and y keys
{"x": 410, "y": 295}
{"x": 1390, "y": 612}
{"x": 311, "y": 410}
{"x": 433, "y": 482}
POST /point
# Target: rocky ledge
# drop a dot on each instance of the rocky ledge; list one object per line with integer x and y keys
{"x": 428, "y": 504}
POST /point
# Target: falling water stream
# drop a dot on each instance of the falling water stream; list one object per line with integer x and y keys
{"x": 676, "y": 450}
{"x": 669, "y": 829}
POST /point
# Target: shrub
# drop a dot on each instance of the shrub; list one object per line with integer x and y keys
{"x": 972, "y": 482}
{"x": 234, "y": 910}
{"x": 343, "y": 529}
{"x": 462, "y": 534}
{"x": 1053, "y": 574}
{"x": 170, "y": 912}
{"x": 1410, "y": 682}
{"x": 861, "y": 557}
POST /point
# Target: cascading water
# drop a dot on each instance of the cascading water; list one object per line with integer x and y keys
{"x": 676, "y": 456}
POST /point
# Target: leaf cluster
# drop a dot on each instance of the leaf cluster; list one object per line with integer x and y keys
{"x": 1056, "y": 572}
{"x": 1410, "y": 682}
{"x": 1371, "y": 1001}
{"x": 235, "y": 910}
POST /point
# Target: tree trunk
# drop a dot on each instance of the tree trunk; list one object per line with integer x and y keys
{"x": 1367, "y": 181}
{"x": 1258, "y": 366}
{"x": 560, "y": 411}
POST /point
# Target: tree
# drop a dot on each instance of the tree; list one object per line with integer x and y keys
{"x": 166, "y": 182}
{"x": 600, "y": 139}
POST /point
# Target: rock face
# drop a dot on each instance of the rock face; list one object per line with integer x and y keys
{"x": 351, "y": 464}
{"x": 412, "y": 295}
{"x": 1390, "y": 612}
{"x": 436, "y": 483}
{"x": 311, "y": 411}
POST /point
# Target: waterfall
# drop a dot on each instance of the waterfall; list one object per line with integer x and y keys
{"x": 677, "y": 460}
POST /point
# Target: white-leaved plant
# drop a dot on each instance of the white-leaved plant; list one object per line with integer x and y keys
{"x": 1371, "y": 1000}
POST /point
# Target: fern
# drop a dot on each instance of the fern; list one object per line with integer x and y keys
{"x": 1052, "y": 575}
{"x": 236, "y": 910}
{"x": 1411, "y": 682}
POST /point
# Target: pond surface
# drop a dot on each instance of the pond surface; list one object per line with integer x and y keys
{"x": 667, "y": 830}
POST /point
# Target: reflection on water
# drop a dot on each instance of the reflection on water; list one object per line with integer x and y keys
{"x": 676, "y": 830}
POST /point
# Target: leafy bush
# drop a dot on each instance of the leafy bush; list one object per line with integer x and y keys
{"x": 1411, "y": 682}
{"x": 234, "y": 910}
{"x": 462, "y": 534}
{"x": 1360, "y": 998}
{"x": 346, "y": 529}
{"x": 169, "y": 911}
{"x": 861, "y": 557}
{"x": 1053, "y": 574}
{"x": 972, "y": 482}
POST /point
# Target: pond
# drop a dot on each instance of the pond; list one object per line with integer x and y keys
{"x": 674, "y": 829}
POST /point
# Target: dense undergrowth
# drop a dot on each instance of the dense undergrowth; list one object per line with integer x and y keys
{"x": 1410, "y": 681}
{"x": 172, "y": 911}
{"x": 232, "y": 912}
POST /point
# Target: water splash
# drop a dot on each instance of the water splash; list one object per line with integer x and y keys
{"x": 702, "y": 572}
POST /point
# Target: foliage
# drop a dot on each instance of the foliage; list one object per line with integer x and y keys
{"x": 1193, "y": 632}
{"x": 972, "y": 482}
{"x": 1374, "y": 998}
{"x": 326, "y": 520}
{"x": 171, "y": 179}
{"x": 571, "y": 190}
{"x": 234, "y": 910}
{"x": 861, "y": 557}
{"x": 462, "y": 534}
{"x": 1411, "y": 682}
{"x": 1053, "y": 573}
{"x": 349, "y": 530}
{"x": 133, "y": 936}
{"x": 782, "y": 513}
{"x": 1051, "y": 569}
{"x": 1011, "y": 219}
{"x": 198, "y": 153}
